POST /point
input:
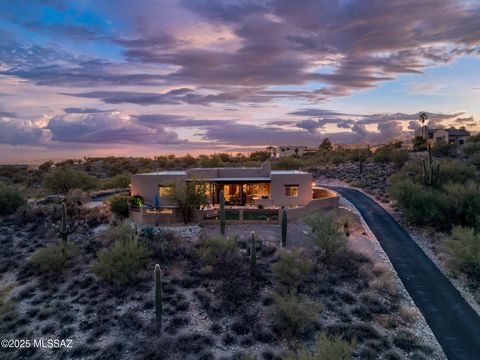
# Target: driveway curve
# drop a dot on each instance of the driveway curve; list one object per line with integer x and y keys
{"x": 453, "y": 321}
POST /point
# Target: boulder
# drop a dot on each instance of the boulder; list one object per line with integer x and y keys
{"x": 51, "y": 200}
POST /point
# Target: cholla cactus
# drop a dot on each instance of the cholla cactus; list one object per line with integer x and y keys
{"x": 63, "y": 230}
{"x": 253, "y": 255}
{"x": 158, "y": 300}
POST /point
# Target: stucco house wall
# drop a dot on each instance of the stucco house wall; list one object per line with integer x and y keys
{"x": 146, "y": 185}
{"x": 279, "y": 179}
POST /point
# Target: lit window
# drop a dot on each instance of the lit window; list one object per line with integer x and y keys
{"x": 165, "y": 190}
{"x": 291, "y": 190}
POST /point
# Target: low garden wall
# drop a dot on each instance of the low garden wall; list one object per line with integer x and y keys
{"x": 323, "y": 199}
{"x": 325, "y": 203}
{"x": 143, "y": 216}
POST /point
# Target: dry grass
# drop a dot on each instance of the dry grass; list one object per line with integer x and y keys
{"x": 408, "y": 314}
{"x": 384, "y": 282}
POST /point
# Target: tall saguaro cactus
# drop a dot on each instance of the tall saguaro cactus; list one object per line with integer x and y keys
{"x": 158, "y": 300}
{"x": 63, "y": 230}
{"x": 284, "y": 228}
{"x": 253, "y": 256}
{"x": 431, "y": 171}
{"x": 222, "y": 213}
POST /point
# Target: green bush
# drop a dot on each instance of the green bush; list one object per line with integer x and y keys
{"x": 64, "y": 179}
{"x": 293, "y": 315}
{"x": 123, "y": 232}
{"x": 326, "y": 233}
{"x": 116, "y": 182}
{"x": 293, "y": 267}
{"x": 326, "y": 348}
{"x": 119, "y": 205}
{"x": 455, "y": 200}
{"x": 475, "y": 160}
{"x": 215, "y": 247}
{"x": 122, "y": 262}
{"x": 463, "y": 247}
{"x": 10, "y": 200}
{"x": 391, "y": 154}
{"x": 442, "y": 148}
{"x": 53, "y": 257}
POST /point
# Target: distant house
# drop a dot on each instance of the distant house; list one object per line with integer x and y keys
{"x": 450, "y": 136}
{"x": 289, "y": 150}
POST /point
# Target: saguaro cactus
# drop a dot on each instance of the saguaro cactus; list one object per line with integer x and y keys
{"x": 63, "y": 230}
{"x": 222, "y": 213}
{"x": 158, "y": 300}
{"x": 253, "y": 255}
{"x": 284, "y": 228}
{"x": 431, "y": 171}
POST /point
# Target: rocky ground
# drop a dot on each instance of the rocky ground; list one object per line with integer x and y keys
{"x": 372, "y": 178}
{"x": 210, "y": 312}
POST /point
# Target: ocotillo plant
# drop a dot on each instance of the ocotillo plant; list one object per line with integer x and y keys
{"x": 63, "y": 230}
{"x": 158, "y": 300}
{"x": 222, "y": 213}
{"x": 253, "y": 256}
{"x": 431, "y": 171}
{"x": 284, "y": 228}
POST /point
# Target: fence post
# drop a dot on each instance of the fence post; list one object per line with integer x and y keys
{"x": 240, "y": 214}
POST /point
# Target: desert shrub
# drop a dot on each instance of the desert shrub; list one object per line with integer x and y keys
{"x": 326, "y": 233}
{"x": 54, "y": 257}
{"x": 326, "y": 348}
{"x": 463, "y": 247}
{"x": 63, "y": 179}
{"x": 408, "y": 314}
{"x": 392, "y": 153}
{"x": 471, "y": 148}
{"x": 6, "y": 303}
{"x": 454, "y": 200}
{"x": 123, "y": 232}
{"x": 116, "y": 182}
{"x": 442, "y": 148}
{"x": 10, "y": 200}
{"x": 475, "y": 160}
{"x": 293, "y": 267}
{"x": 287, "y": 163}
{"x": 214, "y": 247}
{"x": 384, "y": 283}
{"x": 405, "y": 340}
{"x": 122, "y": 262}
{"x": 119, "y": 205}
{"x": 293, "y": 315}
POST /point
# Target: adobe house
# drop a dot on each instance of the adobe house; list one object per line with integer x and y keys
{"x": 450, "y": 136}
{"x": 259, "y": 187}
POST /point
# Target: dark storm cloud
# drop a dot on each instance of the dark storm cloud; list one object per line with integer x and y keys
{"x": 315, "y": 113}
{"x": 250, "y": 134}
{"x": 7, "y": 114}
{"x": 85, "y": 110}
{"x": 179, "y": 121}
{"x": 16, "y": 132}
{"x": 185, "y": 95}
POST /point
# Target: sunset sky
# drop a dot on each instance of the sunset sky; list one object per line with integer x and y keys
{"x": 142, "y": 78}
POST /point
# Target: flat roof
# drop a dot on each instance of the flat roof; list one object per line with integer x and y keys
{"x": 226, "y": 179}
{"x": 287, "y": 172}
{"x": 175, "y": 173}
{"x": 184, "y": 173}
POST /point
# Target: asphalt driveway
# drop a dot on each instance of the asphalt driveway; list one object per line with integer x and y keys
{"x": 455, "y": 324}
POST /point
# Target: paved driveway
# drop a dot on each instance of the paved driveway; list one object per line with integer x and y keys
{"x": 455, "y": 324}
